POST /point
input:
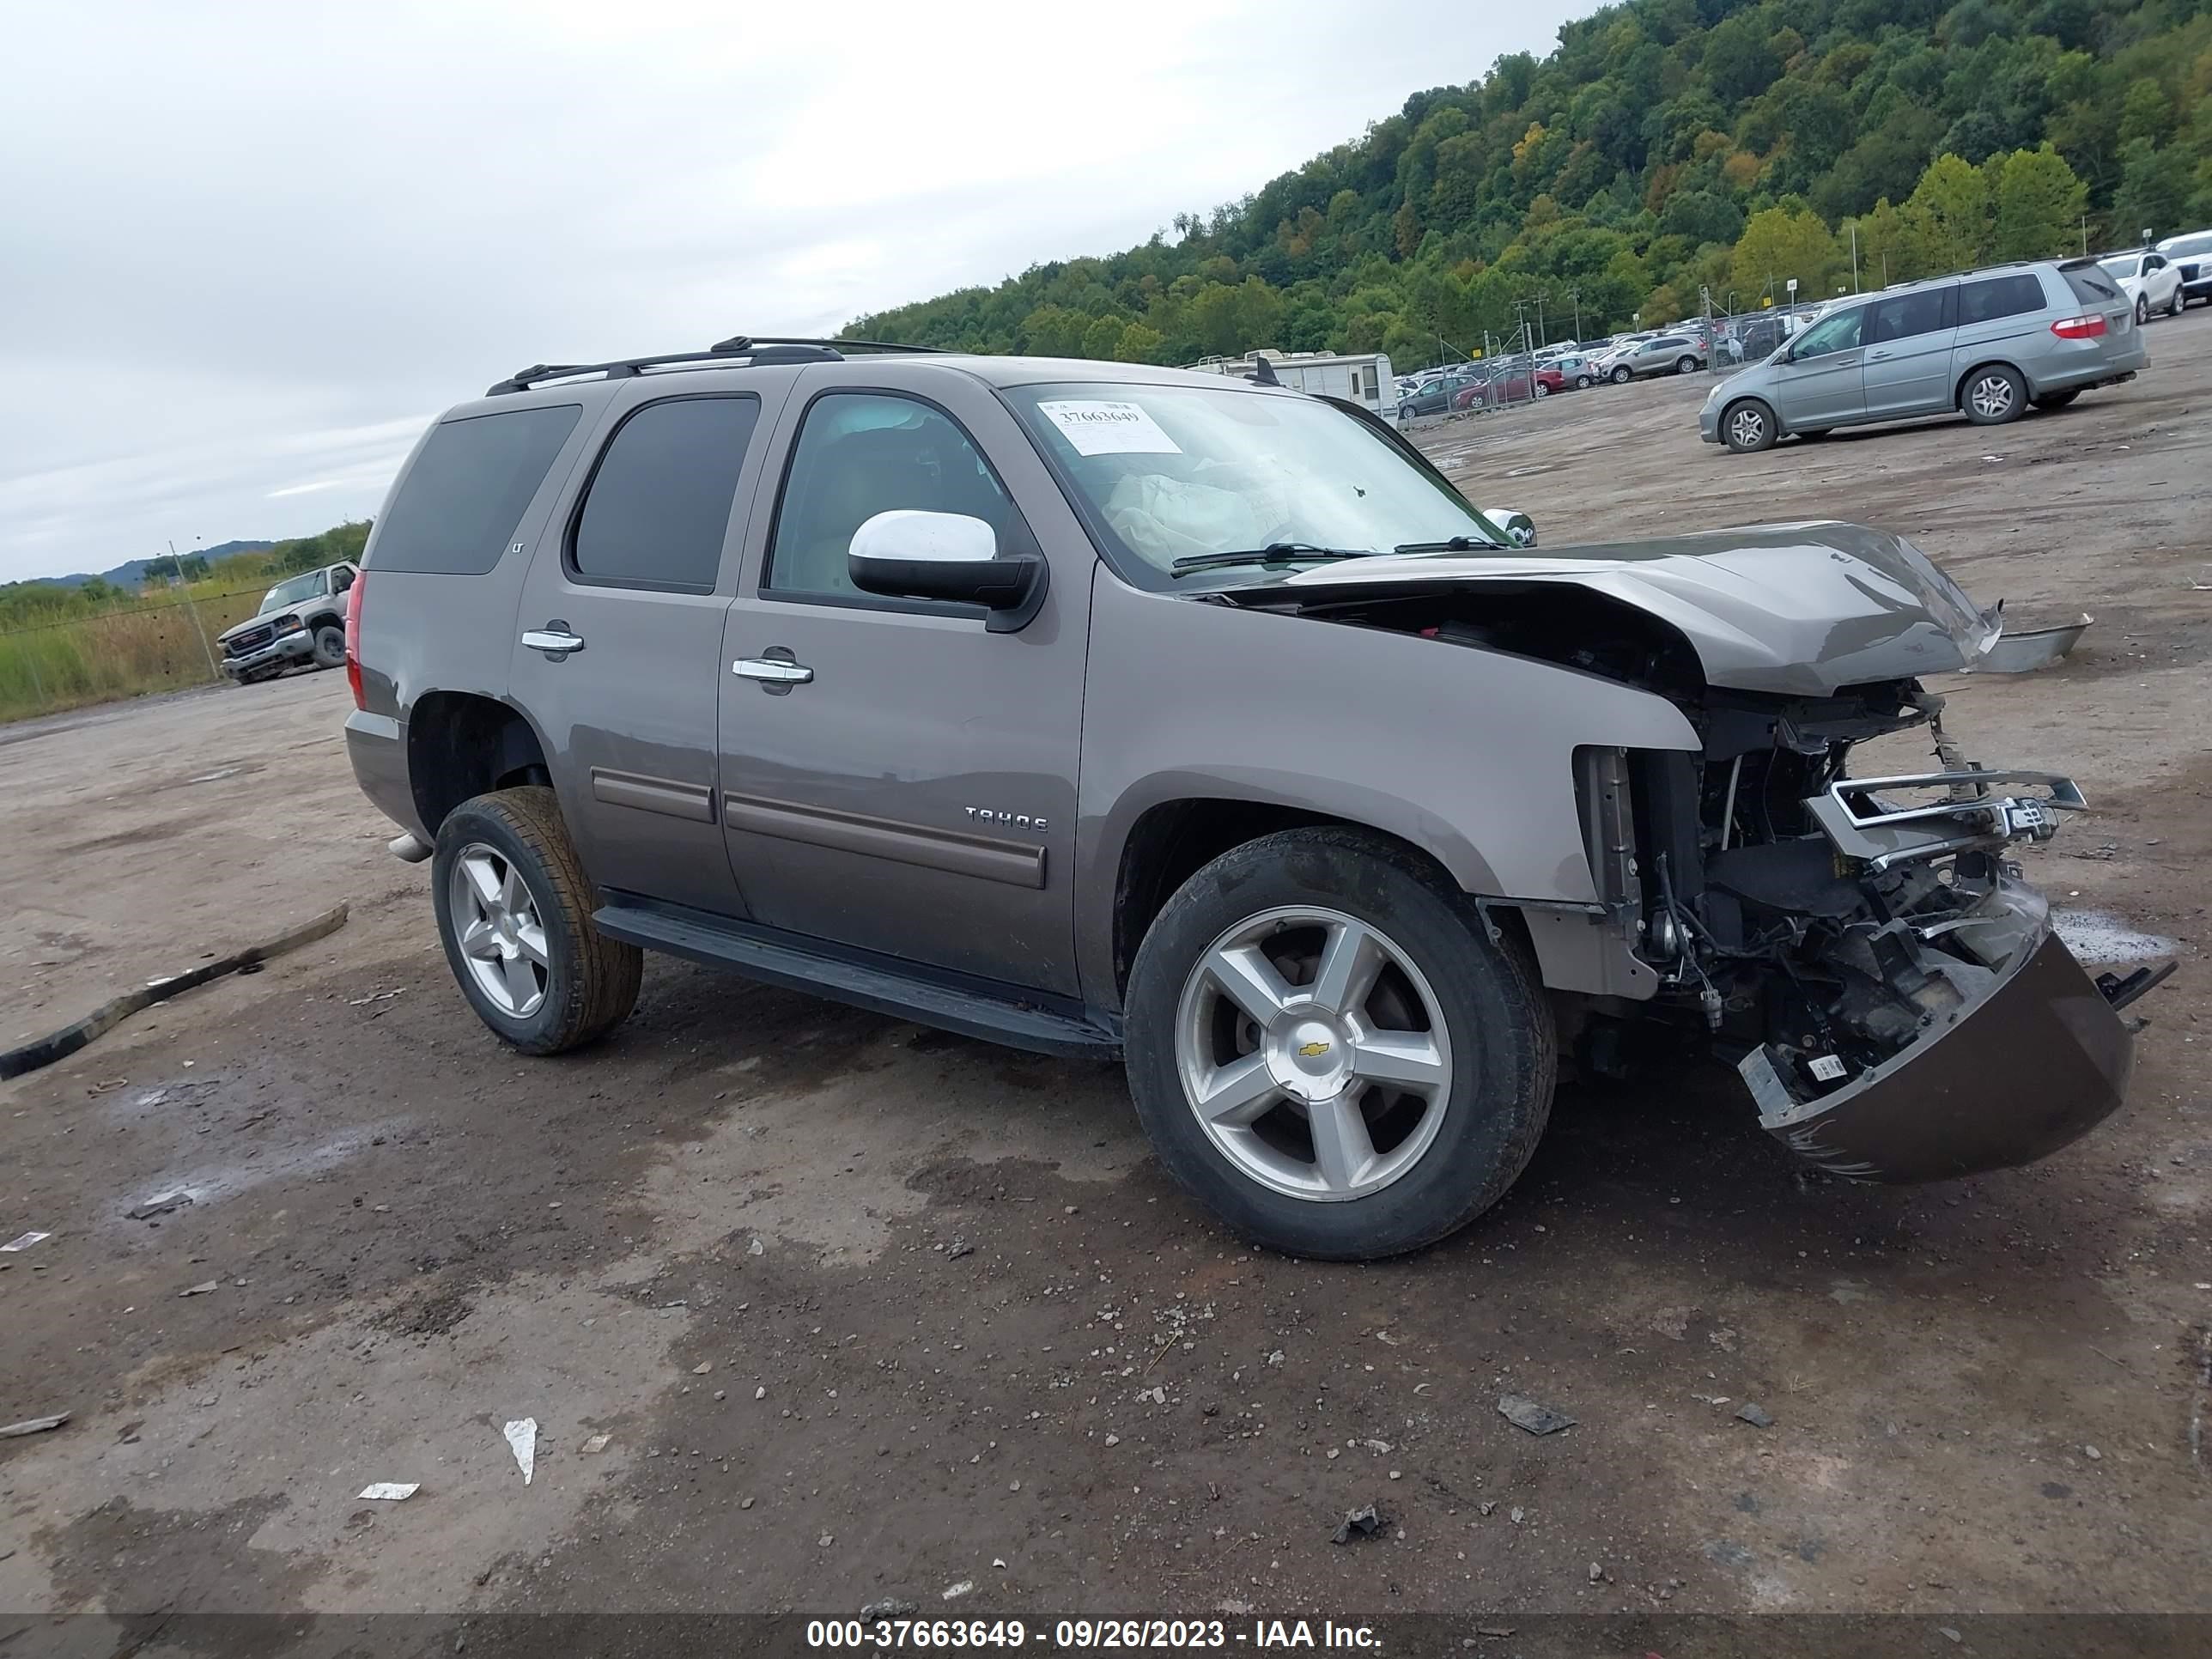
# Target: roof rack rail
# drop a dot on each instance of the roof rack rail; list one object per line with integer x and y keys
{"x": 752, "y": 348}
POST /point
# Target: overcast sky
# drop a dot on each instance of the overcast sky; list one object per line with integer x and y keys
{"x": 247, "y": 251}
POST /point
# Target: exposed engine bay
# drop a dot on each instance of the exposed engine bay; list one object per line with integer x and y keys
{"x": 1824, "y": 933}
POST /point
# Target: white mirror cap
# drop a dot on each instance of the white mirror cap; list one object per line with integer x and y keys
{"x": 908, "y": 532}
{"x": 1517, "y": 528}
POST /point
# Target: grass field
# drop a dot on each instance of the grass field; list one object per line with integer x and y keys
{"x": 148, "y": 644}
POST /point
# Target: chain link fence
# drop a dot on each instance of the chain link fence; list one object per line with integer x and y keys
{"x": 126, "y": 649}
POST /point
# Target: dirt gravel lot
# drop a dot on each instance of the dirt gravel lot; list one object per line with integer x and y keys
{"x": 814, "y": 1309}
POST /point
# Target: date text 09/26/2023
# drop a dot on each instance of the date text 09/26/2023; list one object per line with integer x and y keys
{"x": 1086, "y": 1634}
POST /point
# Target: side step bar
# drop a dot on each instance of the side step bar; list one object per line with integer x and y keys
{"x": 757, "y": 954}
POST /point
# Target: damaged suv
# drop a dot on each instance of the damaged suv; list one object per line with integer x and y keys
{"x": 1107, "y": 710}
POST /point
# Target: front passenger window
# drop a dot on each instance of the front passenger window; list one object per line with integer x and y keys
{"x": 861, "y": 453}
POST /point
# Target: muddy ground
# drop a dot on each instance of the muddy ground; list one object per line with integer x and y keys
{"x": 814, "y": 1309}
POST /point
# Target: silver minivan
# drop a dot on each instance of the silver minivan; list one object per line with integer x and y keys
{"x": 1990, "y": 345}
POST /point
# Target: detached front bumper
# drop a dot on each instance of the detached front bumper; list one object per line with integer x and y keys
{"x": 283, "y": 652}
{"x": 2036, "y": 1062}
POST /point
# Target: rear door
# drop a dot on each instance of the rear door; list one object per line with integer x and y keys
{"x": 1908, "y": 352}
{"x": 896, "y": 778}
{"x": 619, "y": 640}
{"x": 1823, "y": 381}
{"x": 2002, "y": 319}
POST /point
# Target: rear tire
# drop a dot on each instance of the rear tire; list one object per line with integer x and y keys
{"x": 330, "y": 647}
{"x": 524, "y": 951}
{"x": 1423, "y": 989}
{"x": 1581, "y": 382}
{"x": 2143, "y": 309}
{"x": 1994, "y": 395}
{"x": 2178, "y": 304}
{"x": 1543, "y": 390}
{"x": 2058, "y": 399}
{"x": 1685, "y": 365}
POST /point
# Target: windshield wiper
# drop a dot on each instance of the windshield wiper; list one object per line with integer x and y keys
{"x": 1451, "y": 545}
{"x": 1275, "y": 553}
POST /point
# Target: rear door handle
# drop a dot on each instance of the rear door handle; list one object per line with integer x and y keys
{"x": 554, "y": 640}
{"x": 776, "y": 670}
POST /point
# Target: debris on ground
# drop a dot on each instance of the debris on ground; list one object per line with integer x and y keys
{"x": 24, "y": 1243}
{"x": 392, "y": 1491}
{"x": 200, "y": 1289}
{"x": 32, "y": 1426}
{"x": 1361, "y": 1521}
{"x": 161, "y": 1204}
{"x": 1526, "y": 1413}
{"x": 954, "y": 1592}
{"x": 1757, "y": 1415}
{"x": 889, "y": 1608}
{"x": 594, "y": 1444}
{"x": 958, "y": 1247}
{"x": 522, "y": 1438}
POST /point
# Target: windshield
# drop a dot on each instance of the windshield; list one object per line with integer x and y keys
{"x": 2120, "y": 267}
{"x": 1170, "y": 472}
{"x": 2189, "y": 247}
{"x": 294, "y": 591}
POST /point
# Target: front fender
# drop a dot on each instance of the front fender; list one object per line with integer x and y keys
{"x": 1465, "y": 753}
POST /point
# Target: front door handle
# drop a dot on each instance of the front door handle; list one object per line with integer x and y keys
{"x": 554, "y": 640}
{"x": 1877, "y": 356}
{"x": 775, "y": 671}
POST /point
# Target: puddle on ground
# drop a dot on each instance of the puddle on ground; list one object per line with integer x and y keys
{"x": 2096, "y": 938}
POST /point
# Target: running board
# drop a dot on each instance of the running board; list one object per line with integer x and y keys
{"x": 757, "y": 954}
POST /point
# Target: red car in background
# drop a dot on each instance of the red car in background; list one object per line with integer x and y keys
{"x": 1506, "y": 386}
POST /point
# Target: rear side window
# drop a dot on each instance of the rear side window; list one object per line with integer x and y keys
{"x": 469, "y": 489}
{"x": 1999, "y": 296}
{"x": 658, "y": 507}
{"x": 1908, "y": 314}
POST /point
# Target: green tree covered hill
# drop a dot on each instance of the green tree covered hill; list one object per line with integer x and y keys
{"x": 1667, "y": 148}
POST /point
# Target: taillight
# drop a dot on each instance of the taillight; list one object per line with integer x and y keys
{"x": 2085, "y": 327}
{"x": 353, "y": 637}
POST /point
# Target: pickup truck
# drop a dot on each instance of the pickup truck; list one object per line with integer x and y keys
{"x": 301, "y": 619}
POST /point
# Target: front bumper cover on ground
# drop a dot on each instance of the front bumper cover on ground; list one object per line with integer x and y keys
{"x": 2035, "y": 1063}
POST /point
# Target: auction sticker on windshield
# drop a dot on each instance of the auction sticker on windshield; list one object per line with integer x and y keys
{"x": 1097, "y": 426}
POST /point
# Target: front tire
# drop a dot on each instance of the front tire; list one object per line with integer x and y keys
{"x": 1622, "y": 376}
{"x": 516, "y": 916}
{"x": 1748, "y": 426}
{"x": 330, "y": 647}
{"x": 1329, "y": 1050}
{"x": 1995, "y": 395}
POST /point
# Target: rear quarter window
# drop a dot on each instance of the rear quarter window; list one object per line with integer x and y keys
{"x": 1993, "y": 297}
{"x": 468, "y": 490}
{"x": 2092, "y": 287}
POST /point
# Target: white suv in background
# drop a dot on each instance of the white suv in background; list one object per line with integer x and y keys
{"x": 2148, "y": 278}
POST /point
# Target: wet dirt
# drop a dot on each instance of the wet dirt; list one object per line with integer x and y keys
{"x": 863, "y": 1311}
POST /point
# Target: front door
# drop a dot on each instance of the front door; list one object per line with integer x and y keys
{"x": 1908, "y": 352}
{"x": 619, "y": 652}
{"x": 896, "y": 778}
{"x": 1823, "y": 384}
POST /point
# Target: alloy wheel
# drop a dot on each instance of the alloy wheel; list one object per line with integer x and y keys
{"x": 1746, "y": 428}
{"x": 499, "y": 931}
{"x": 1992, "y": 397}
{"x": 1314, "y": 1053}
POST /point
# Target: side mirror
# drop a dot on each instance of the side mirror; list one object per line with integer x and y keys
{"x": 908, "y": 554}
{"x": 1517, "y": 528}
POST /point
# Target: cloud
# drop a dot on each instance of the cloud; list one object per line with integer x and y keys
{"x": 252, "y": 249}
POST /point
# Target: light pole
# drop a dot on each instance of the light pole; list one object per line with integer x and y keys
{"x": 213, "y": 672}
{"x": 1576, "y": 294}
{"x": 1855, "y": 256}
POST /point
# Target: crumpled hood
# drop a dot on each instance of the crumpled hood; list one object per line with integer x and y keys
{"x": 1795, "y": 609}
